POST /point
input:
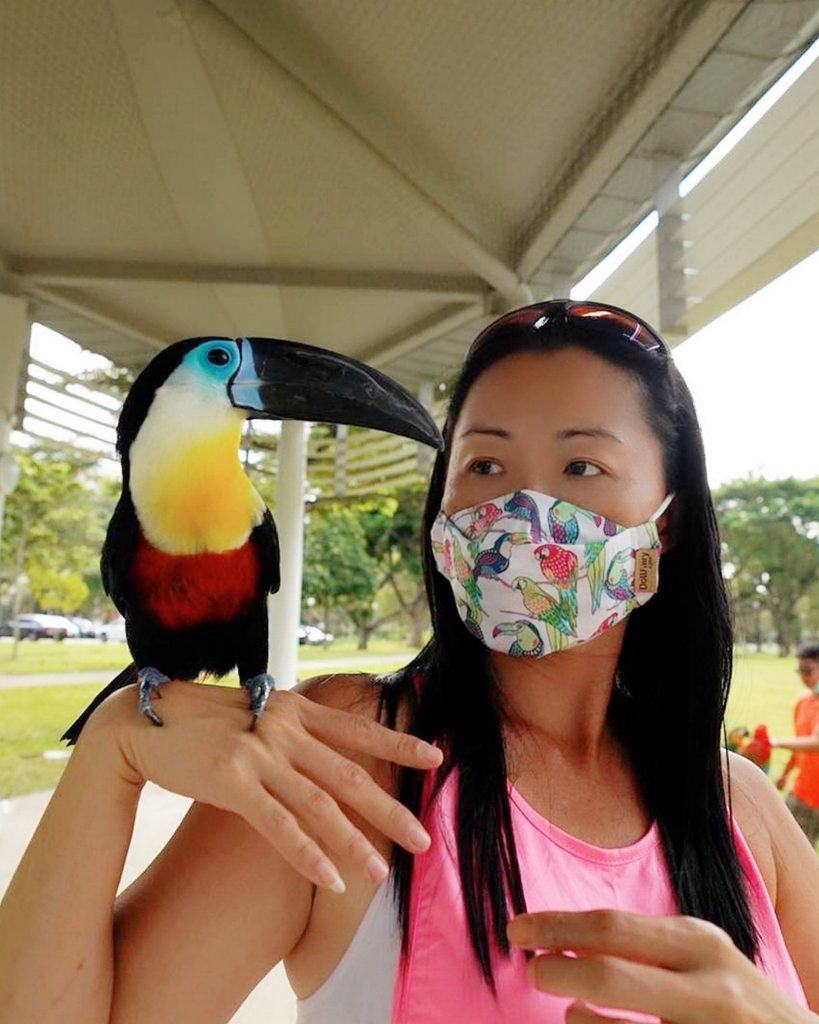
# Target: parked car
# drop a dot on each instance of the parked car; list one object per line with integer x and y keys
{"x": 85, "y": 626}
{"x": 114, "y": 630}
{"x": 314, "y": 635}
{"x": 40, "y": 627}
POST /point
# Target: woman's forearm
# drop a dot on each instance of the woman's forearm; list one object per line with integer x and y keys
{"x": 807, "y": 744}
{"x": 56, "y": 945}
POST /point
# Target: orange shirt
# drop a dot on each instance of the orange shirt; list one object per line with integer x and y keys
{"x": 806, "y": 720}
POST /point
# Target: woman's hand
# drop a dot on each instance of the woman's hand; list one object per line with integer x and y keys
{"x": 284, "y": 777}
{"x": 682, "y": 969}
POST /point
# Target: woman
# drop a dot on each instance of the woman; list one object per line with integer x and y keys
{"x": 579, "y": 713}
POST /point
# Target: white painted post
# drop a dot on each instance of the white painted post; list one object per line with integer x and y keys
{"x": 14, "y": 330}
{"x": 284, "y": 608}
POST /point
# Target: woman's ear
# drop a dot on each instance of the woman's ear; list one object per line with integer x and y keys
{"x": 669, "y": 525}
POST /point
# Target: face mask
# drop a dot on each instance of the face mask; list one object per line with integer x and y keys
{"x": 532, "y": 574}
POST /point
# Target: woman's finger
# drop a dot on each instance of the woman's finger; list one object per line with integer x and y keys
{"x": 679, "y": 942}
{"x": 579, "y": 1013}
{"x": 317, "y": 809}
{"x": 623, "y": 984}
{"x": 279, "y": 826}
{"x": 357, "y": 732}
{"x": 354, "y": 786}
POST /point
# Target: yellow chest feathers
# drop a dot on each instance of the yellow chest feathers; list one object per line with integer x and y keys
{"x": 188, "y": 487}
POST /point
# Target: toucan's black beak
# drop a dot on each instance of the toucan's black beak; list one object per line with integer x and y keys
{"x": 288, "y": 381}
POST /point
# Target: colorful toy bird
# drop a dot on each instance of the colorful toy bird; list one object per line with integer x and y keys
{"x": 543, "y": 606}
{"x": 191, "y": 551}
{"x": 756, "y": 748}
{"x": 527, "y": 642}
{"x": 521, "y": 506}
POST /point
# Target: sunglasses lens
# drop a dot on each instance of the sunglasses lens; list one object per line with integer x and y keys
{"x": 617, "y": 323}
{"x": 628, "y": 326}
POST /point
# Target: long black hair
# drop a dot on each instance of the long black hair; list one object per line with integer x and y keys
{"x": 674, "y": 670}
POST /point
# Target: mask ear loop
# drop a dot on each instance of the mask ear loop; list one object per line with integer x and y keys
{"x": 664, "y": 505}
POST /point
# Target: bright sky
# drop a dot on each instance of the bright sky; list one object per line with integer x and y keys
{"x": 754, "y": 375}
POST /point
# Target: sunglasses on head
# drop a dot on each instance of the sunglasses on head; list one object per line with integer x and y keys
{"x": 609, "y": 322}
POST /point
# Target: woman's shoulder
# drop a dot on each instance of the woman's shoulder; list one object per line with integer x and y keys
{"x": 758, "y": 810}
{"x": 358, "y": 692}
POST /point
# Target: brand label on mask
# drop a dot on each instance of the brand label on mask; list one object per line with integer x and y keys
{"x": 646, "y": 570}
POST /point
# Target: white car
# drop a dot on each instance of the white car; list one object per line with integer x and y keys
{"x": 114, "y": 630}
{"x": 38, "y": 627}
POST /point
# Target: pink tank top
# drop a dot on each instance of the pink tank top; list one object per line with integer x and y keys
{"x": 442, "y": 980}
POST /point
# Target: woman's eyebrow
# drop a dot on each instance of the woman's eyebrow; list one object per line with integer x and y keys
{"x": 493, "y": 431}
{"x": 566, "y": 435}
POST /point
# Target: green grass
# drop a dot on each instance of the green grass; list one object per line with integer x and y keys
{"x": 49, "y": 656}
{"x": 32, "y": 718}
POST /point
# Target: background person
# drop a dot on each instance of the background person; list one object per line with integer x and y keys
{"x": 803, "y": 799}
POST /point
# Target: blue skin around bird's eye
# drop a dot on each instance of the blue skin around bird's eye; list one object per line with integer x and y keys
{"x": 217, "y": 359}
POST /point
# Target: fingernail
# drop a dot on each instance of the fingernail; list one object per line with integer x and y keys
{"x": 419, "y": 838}
{"x": 331, "y": 879}
{"x": 376, "y": 868}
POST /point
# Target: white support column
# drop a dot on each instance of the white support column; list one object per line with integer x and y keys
{"x": 426, "y": 393}
{"x": 284, "y": 608}
{"x": 14, "y": 331}
{"x": 672, "y": 273}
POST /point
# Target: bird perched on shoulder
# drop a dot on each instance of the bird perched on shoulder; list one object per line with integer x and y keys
{"x": 191, "y": 551}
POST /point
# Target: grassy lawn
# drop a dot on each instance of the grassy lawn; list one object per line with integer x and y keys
{"x": 49, "y": 656}
{"x": 32, "y": 718}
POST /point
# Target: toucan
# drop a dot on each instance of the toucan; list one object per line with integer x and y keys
{"x": 191, "y": 551}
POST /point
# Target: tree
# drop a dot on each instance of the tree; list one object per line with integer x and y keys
{"x": 393, "y": 534}
{"x": 339, "y": 571}
{"x": 770, "y": 530}
{"x": 54, "y": 526}
{"x": 364, "y": 558}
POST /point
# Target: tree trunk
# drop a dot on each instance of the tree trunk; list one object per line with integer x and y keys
{"x": 418, "y": 620}
{"x": 363, "y": 637}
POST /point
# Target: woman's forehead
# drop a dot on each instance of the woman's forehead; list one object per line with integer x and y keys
{"x": 566, "y": 389}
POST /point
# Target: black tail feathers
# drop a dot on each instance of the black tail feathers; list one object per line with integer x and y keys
{"x": 125, "y": 678}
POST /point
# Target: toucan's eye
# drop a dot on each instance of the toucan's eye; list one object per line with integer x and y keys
{"x": 219, "y": 356}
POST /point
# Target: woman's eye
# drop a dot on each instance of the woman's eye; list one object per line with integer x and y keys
{"x": 484, "y": 467}
{"x": 581, "y": 468}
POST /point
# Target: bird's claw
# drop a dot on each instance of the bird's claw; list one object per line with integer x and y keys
{"x": 259, "y": 688}
{"x": 150, "y": 679}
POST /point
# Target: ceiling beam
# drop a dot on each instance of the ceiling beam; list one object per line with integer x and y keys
{"x": 74, "y": 272}
{"x": 690, "y": 35}
{"x": 424, "y": 331}
{"x": 114, "y": 321}
{"x": 379, "y": 169}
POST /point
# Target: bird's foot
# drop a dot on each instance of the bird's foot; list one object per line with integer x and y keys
{"x": 150, "y": 679}
{"x": 259, "y": 688}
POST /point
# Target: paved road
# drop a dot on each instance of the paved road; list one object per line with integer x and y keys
{"x": 103, "y": 676}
